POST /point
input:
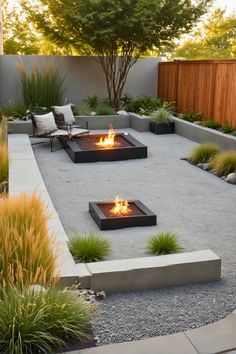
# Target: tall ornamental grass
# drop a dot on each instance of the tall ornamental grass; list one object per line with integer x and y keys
{"x": 203, "y": 153}
{"x": 38, "y": 322}
{"x": 4, "y": 163}
{"x": 25, "y": 244}
{"x": 41, "y": 87}
{"x": 3, "y": 130}
{"x": 224, "y": 163}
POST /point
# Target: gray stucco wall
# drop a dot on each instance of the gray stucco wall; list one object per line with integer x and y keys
{"x": 84, "y": 77}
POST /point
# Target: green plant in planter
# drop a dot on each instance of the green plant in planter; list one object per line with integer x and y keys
{"x": 227, "y": 129}
{"x": 92, "y": 101}
{"x": 89, "y": 248}
{"x": 191, "y": 116}
{"x": 104, "y": 110}
{"x": 82, "y": 110}
{"x": 203, "y": 153}
{"x": 161, "y": 115}
{"x": 163, "y": 243}
{"x": 209, "y": 123}
{"x": 13, "y": 111}
{"x": 224, "y": 163}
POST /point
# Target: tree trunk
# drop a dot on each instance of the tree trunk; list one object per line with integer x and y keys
{"x": 116, "y": 70}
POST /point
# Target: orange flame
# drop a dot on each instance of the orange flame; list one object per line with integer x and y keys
{"x": 109, "y": 140}
{"x": 121, "y": 207}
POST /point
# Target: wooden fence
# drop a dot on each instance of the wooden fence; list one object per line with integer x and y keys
{"x": 206, "y": 86}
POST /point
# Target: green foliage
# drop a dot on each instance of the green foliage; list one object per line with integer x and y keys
{"x": 161, "y": 115}
{"x": 227, "y": 129}
{"x": 25, "y": 244}
{"x": 224, "y": 163}
{"x": 42, "y": 87}
{"x": 117, "y": 32}
{"x": 143, "y": 104}
{"x": 209, "y": 123}
{"x": 105, "y": 110}
{"x": 216, "y": 39}
{"x": 89, "y": 248}
{"x": 93, "y": 102}
{"x": 38, "y": 322}
{"x": 191, "y": 116}
{"x": 163, "y": 243}
{"x": 11, "y": 110}
{"x": 82, "y": 110}
{"x": 203, "y": 153}
{"x": 3, "y": 130}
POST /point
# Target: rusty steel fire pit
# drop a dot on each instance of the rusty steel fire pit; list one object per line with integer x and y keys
{"x": 87, "y": 149}
{"x": 138, "y": 215}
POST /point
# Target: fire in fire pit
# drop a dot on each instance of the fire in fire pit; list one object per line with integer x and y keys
{"x": 120, "y": 214}
{"x": 121, "y": 207}
{"x": 109, "y": 140}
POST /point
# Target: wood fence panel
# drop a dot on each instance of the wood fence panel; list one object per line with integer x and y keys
{"x": 206, "y": 86}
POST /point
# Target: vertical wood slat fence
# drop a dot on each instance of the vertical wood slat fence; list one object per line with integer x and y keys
{"x": 206, "y": 86}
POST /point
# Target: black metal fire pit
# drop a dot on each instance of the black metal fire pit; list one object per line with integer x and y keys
{"x": 140, "y": 215}
{"x": 84, "y": 148}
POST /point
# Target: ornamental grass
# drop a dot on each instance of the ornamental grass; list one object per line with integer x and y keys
{"x": 25, "y": 244}
{"x": 163, "y": 243}
{"x": 203, "y": 153}
{"x": 224, "y": 163}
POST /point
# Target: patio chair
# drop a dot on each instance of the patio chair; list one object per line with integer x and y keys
{"x": 64, "y": 117}
{"x": 44, "y": 126}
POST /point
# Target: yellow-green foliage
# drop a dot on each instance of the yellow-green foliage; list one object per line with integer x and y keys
{"x": 4, "y": 162}
{"x": 224, "y": 162}
{"x": 3, "y": 130}
{"x": 25, "y": 244}
{"x": 203, "y": 153}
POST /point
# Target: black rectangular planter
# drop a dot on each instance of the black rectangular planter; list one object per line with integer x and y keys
{"x": 132, "y": 149}
{"x": 145, "y": 218}
{"x": 162, "y": 128}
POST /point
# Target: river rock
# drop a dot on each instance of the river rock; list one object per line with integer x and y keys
{"x": 231, "y": 178}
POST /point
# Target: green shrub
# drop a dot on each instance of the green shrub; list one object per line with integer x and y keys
{"x": 82, "y": 110}
{"x": 161, "y": 115}
{"x": 42, "y": 87}
{"x": 92, "y": 102}
{"x": 191, "y": 116}
{"x": 143, "y": 104}
{"x": 89, "y": 248}
{"x": 14, "y": 110}
{"x": 203, "y": 153}
{"x": 224, "y": 163}
{"x": 227, "y": 129}
{"x": 163, "y": 243}
{"x": 26, "y": 255}
{"x": 105, "y": 110}
{"x": 209, "y": 123}
{"x": 38, "y": 322}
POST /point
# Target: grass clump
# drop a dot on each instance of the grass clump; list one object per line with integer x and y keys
{"x": 224, "y": 163}
{"x": 161, "y": 115}
{"x": 209, "y": 123}
{"x": 25, "y": 245}
{"x": 3, "y": 130}
{"x": 4, "y": 162}
{"x": 203, "y": 153}
{"x": 89, "y": 248}
{"x": 35, "y": 322}
{"x": 163, "y": 243}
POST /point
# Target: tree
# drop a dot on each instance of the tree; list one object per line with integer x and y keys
{"x": 215, "y": 40}
{"x": 117, "y": 32}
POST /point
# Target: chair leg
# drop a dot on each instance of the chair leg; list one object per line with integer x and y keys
{"x": 51, "y": 141}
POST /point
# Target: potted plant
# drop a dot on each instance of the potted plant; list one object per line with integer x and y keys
{"x": 161, "y": 121}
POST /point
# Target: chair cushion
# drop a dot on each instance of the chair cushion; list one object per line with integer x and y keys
{"x": 66, "y": 111}
{"x": 45, "y": 123}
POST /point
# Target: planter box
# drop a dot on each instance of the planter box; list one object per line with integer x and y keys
{"x": 103, "y": 122}
{"x": 162, "y": 128}
{"x": 202, "y": 135}
{"x": 139, "y": 123}
{"x": 20, "y": 127}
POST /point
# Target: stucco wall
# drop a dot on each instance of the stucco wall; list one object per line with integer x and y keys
{"x": 84, "y": 77}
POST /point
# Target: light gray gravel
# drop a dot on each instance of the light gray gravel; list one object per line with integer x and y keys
{"x": 198, "y": 206}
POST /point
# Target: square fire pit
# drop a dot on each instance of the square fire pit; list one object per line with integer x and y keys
{"x": 85, "y": 148}
{"x": 139, "y": 215}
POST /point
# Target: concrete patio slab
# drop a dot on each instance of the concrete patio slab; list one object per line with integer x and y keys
{"x": 215, "y": 337}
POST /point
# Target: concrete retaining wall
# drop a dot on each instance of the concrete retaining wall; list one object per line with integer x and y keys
{"x": 83, "y": 77}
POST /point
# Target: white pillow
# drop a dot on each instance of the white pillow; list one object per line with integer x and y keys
{"x": 45, "y": 123}
{"x": 67, "y": 113}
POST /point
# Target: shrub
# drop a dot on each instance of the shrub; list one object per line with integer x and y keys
{"x": 14, "y": 110}
{"x": 25, "y": 245}
{"x": 224, "y": 163}
{"x": 42, "y": 87}
{"x": 35, "y": 322}
{"x": 144, "y": 104}
{"x": 89, "y": 248}
{"x": 163, "y": 243}
{"x": 92, "y": 102}
{"x": 191, "y": 116}
{"x": 82, "y": 110}
{"x": 227, "y": 129}
{"x": 161, "y": 115}
{"x": 203, "y": 153}
{"x": 105, "y": 110}
{"x": 209, "y": 123}
{"x": 4, "y": 162}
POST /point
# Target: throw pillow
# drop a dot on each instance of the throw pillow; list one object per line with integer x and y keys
{"x": 67, "y": 112}
{"x": 45, "y": 123}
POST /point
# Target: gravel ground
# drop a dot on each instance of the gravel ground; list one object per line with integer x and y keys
{"x": 196, "y": 205}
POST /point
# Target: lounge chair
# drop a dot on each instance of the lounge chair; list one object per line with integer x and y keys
{"x": 44, "y": 126}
